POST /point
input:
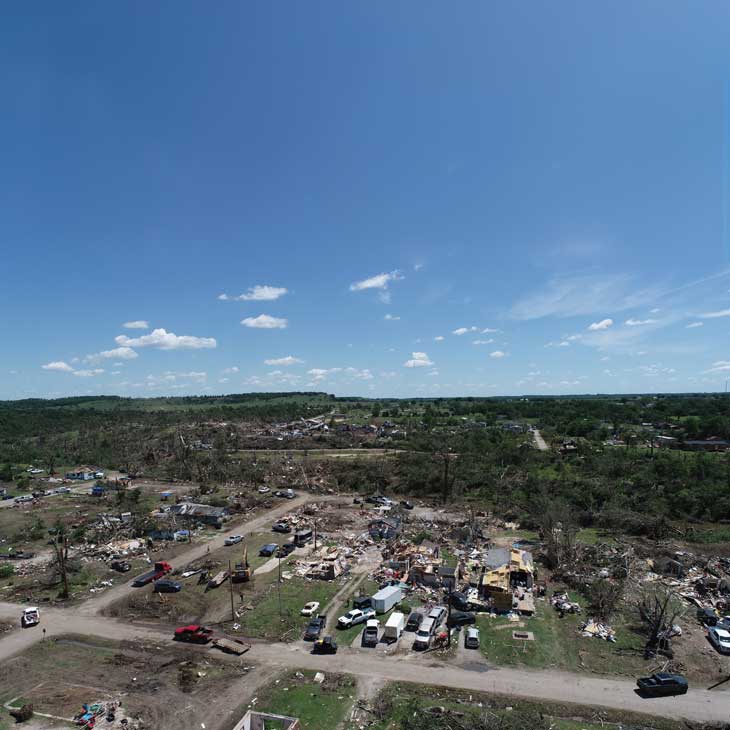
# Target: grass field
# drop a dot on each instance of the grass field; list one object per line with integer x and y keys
{"x": 318, "y": 706}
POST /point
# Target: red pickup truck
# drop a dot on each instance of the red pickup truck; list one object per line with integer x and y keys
{"x": 161, "y": 569}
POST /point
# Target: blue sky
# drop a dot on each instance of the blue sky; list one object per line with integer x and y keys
{"x": 396, "y": 198}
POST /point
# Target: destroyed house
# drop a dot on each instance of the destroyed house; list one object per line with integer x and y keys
{"x": 384, "y": 528}
{"x": 83, "y": 475}
{"x": 504, "y": 570}
{"x": 202, "y": 513}
{"x": 253, "y": 720}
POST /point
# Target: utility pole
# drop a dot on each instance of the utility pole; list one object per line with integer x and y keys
{"x": 278, "y": 582}
{"x": 230, "y": 586}
{"x": 448, "y": 620}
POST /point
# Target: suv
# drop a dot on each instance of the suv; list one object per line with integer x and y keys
{"x": 355, "y": 617}
{"x": 414, "y": 621}
{"x": 315, "y": 628}
{"x": 233, "y": 540}
{"x": 437, "y": 613}
{"x": 370, "y": 634}
{"x": 720, "y": 639}
{"x": 460, "y": 618}
{"x": 280, "y": 527}
{"x": 285, "y": 549}
{"x": 268, "y": 550}
{"x": 424, "y": 634}
{"x": 471, "y": 639}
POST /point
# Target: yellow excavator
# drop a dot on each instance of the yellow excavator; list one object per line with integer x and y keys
{"x": 242, "y": 571}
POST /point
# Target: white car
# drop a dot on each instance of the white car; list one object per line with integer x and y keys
{"x": 355, "y": 617}
{"x": 264, "y": 490}
{"x": 310, "y": 609}
{"x": 720, "y": 639}
{"x": 233, "y": 540}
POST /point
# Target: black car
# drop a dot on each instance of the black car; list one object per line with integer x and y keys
{"x": 406, "y": 504}
{"x": 414, "y": 621}
{"x": 268, "y": 550}
{"x": 325, "y": 646}
{"x": 167, "y": 586}
{"x": 460, "y": 618}
{"x": 280, "y": 527}
{"x": 362, "y": 602}
{"x": 707, "y": 616}
{"x": 315, "y": 628}
{"x": 373, "y": 499}
{"x": 285, "y": 549}
{"x": 121, "y": 566}
{"x": 662, "y": 685}
{"x": 459, "y": 601}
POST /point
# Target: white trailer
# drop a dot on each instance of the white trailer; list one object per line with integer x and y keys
{"x": 394, "y": 626}
{"x": 386, "y": 598}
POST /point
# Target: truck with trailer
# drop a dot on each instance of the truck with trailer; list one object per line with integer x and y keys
{"x": 394, "y": 626}
{"x": 386, "y": 598}
{"x": 161, "y": 569}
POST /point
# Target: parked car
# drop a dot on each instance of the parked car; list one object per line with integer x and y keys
{"x": 372, "y": 499}
{"x": 370, "y": 634}
{"x": 280, "y": 527}
{"x": 30, "y": 617}
{"x": 471, "y": 638}
{"x": 285, "y": 493}
{"x": 315, "y": 628}
{"x": 406, "y": 504}
{"x": 438, "y": 614}
{"x": 459, "y": 601}
{"x": 167, "y": 586}
{"x": 414, "y": 621}
{"x": 354, "y": 617}
{"x": 362, "y": 602}
{"x": 460, "y": 618}
{"x": 121, "y": 566}
{"x": 720, "y": 639}
{"x": 424, "y": 634}
{"x": 357, "y": 500}
{"x": 193, "y": 634}
{"x": 325, "y": 646}
{"x": 662, "y": 685}
{"x": 264, "y": 490}
{"x": 63, "y": 490}
{"x": 233, "y": 540}
{"x": 310, "y": 609}
{"x": 24, "y": 498}
{"x": 268, "y": 550}
{"x": 285, "y": 549}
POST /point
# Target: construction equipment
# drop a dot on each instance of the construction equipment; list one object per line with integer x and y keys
{"x": 242, "y": 571}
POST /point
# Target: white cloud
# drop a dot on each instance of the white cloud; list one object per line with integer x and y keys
{"x": 258, "y": 293}
{"x": 228, "y": 371}
{"x": 318, "y": 374}
{"x": 419, "y": 360}
{"x": 656, "y": 310}
{"x": 164, "y": 340}
{"x": 266, "y": 322}
{"x": 118, "y": 353}
{"x": 638, "y": 322}
{"x": 223, "y": 380}
{"x": 483, "y": 342}
{"x": 137, "y": 324}
{"x": 463, "y": 330}
{"x": 116, "y": 372}
{"x": 604, "y": 324}
{"x": 439, "y": 338}
{"x": 288, "y": 360}
{"x": 88, "y": 373}
{"x": 379, "y": 281}
{"x": 693, "y": 325}
{"x": 573, "y": 338}
{"x": 489, "y": 331}
{"x": 391, "y": 317}
{"x": 58, "y": 366}
{"x": 721, "y": 366}
{"x": 715, "y": 315}
{"x": 363, "y": 374}
{"x": 497, "y": 354}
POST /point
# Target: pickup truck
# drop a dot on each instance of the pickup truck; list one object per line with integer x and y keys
{"x": 193, "y": 634}
{"x": 161, "y": 569}
{"x": 354, "y": 617}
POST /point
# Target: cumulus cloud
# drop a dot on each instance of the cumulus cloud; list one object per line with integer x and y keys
{"x": 497, "y": 354}
{"x": 391, "y": 317}
{"x": 88, "y": 373}
{"x": 118, "y": 353}
{"x": 716, "y": 315}
{"x": 137, "y": 324}
{"x": 164, "y": 340}
{"x": 265, "y": 322}
{"x": 604, "y": 324}
{"x": 228, "y": 371}
{"x": 361, "y": 374}
{"x": 483, "y": 342}
{"x": 720, "y": 366}
{"x": 693, "y": 325}
{"x": 379, "y": 281}
{"x": 439, "y": 338}
{"x": 418, "y": 360}
{"x": 288, "y": 360}
{"x": 59, "y": 366}
{"x": 463, "y": 330}
{"x": 319, "y": 374}
{"x": 258, "y": 293}
{"x": 638, "y": 322}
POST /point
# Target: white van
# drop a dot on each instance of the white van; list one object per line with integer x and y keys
{"x": 424, "y": 634}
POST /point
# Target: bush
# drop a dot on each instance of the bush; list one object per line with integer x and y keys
{"x": 6, "y": 571}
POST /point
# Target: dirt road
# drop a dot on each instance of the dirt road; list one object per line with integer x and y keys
{"x": 539, "y": 440}
{"x": 698, "y": 704}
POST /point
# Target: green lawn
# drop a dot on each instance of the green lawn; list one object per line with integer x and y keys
{"x": 593, "y": 535}
{"x": 558, "y": 644}
{"x": 318, "y": 706}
